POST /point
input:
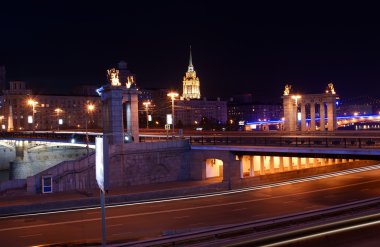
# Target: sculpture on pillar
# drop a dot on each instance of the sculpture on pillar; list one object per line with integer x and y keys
{"x": 113, "y": 77}
{"x": 130, "y": 81}
{"x": 287, "y": 89}
{"x": 330, "y": 88}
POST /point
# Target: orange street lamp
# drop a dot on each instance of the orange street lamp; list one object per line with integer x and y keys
{"x": 173, "y": 95}
{"x": 90, "y": 108}
{"x": 32, "y": 103}
{"x": 146, "y": 104}
{"x": 58, "y": 111}
{"x": 296, "y": 98}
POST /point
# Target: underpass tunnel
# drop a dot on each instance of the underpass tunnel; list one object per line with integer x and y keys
{"x": 214, "y": 168}
{"x": 255, "y": 165}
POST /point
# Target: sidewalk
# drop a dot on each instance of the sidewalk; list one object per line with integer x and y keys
{"x": 18, "y": 204}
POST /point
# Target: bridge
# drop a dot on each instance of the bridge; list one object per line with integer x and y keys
{"x": 231, "y": 156}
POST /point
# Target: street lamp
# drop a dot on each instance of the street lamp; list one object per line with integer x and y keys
{"x": 172, "y": 95}
{"x": 33, "y": 103}
{"x": 90, "y": 108}
{"x": 146, "y": 104}
{"x": 296, "y": 97}
{"x": 58, "y": 110}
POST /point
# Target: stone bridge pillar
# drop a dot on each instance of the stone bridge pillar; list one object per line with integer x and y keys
{"x": 130, "y": 99}
{"x": 312, "y": 116}
{"x": 113, "y": 96}
{"x": 290, "y": 104}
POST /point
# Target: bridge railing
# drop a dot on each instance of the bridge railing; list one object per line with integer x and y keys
{"x": 333, "y": 142}
{"x": 289, "y": 141}
{"x": 65, "y": 137}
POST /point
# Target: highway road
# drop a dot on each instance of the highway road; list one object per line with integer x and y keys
{"x": 149, "y": 220}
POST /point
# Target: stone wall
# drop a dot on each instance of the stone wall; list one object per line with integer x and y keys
{"x": 6, "y": 155}
{"x": 38, "y": 159}
{"x": 130, "y": 164}
{"x": 12, "y": 185}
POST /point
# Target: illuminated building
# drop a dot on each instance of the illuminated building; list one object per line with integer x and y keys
{"x": 191, "y": 88}
{"x": 242, "y": 108}
{"x": 193, "y": 112}
{"x": 14, "y": 107}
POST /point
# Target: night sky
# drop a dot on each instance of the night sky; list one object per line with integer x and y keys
{"x": 238, "y": 47}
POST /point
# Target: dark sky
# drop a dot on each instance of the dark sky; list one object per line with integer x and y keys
{"x": 238, "y": 46}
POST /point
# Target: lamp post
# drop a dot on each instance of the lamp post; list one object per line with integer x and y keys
{"x": 296, "y": 97}
{"x": 172, "y": 95}
{"x": 90, "y": 108}
{"x": 146, "y": 104}
{"x": 33, "y": 103}
{"x": 58, "y": 110}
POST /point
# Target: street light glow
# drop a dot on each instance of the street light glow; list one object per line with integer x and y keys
{"x": 173, "y": 95}
{"x": 146, "y": 104}
{"x": 90, "y": 107}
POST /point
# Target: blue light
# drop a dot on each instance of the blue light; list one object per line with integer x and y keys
{"x": 308, "y": 119}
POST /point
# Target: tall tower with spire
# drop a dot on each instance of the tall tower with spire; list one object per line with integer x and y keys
{"x": 191, "y": 88}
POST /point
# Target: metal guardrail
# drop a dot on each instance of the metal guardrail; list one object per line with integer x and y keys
{"x": 260, "y": 226}
{"x": 314, "y": 141}
{"x": 365, "y": 142}
{"x": 64, "y": 137}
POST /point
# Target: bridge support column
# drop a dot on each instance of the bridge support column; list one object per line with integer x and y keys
{"x": 315, "y": 162}
{"x": 281, "y": 164}
{"x": 241, "y": 168}
{"x": 323, "y": 161}
{"x": 271, "y": 164}
{"x": 350, "y": 160}
{"x": 331, "y": 161}
{"x": 303, "y": 117}
{"x": 322, "y": 116}
{"x": 251, "y": 166}
{"x": 307, "y": 163}
{"x": 331, "y": 114}
{"x": 344, "y": 160}
{"x": 299, "y": 164}
{"x": 312, "y": 116}
{"x": 262, "y": 165}
{"x": 290, "y": 160}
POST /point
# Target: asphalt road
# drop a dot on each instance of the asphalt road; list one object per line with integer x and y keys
{"x": 134, "y": 222}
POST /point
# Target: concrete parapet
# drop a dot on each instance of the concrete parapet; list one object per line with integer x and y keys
{"x": 12, "y": 185}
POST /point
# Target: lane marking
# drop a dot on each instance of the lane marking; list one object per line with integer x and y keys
{"x": 121, "y": 233}
{"x": 348, "y": 228}
{"x": 258, "y": 187}
{"x": 182, "y": 217}
{"x": 28, "y": 236}
{"x": 184, "y": 209}
{"x": 114, "y": 225}
{"x": 239, "y": 209}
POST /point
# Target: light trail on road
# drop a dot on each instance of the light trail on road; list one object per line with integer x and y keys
{"x": 253, "y": 188}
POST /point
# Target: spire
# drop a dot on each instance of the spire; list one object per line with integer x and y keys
{"x": 191, "y": 67}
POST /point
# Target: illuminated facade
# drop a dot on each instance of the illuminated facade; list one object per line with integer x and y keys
{"x": 193, "y": 112}
{"x": 191, "y": 84}
{"x": 16, "y": 111}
